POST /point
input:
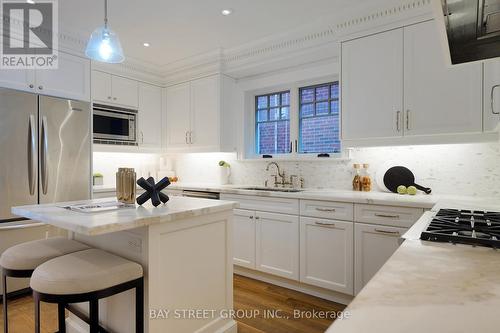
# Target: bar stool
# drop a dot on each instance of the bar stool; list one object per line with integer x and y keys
{"x": 86, "y": 276}
{"x": 20, "y": 260}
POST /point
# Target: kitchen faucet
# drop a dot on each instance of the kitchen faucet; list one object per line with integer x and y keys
{"x": 281, "y": 174}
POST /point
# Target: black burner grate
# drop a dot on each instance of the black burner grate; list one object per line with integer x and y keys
{"x": 472, "y": 227}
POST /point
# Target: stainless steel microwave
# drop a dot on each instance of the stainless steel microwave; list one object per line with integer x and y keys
{"x": 114, "y": 125}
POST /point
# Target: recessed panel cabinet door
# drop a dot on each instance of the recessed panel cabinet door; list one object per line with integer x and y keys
{"x": 491, "y": 94}
{"x": 205, "y": 122}
{"x": 438, "y": 98}
{"x": 101, "y": 87}
{"x": 19, "y": 79}
{"x": 278, "y": 244}
{"x": 149, "y": 116}
{"x": 326, "y": 254}
{"x": 125, "y": 91}
{"x": 178, "y": 115}
{"x": 70, "y": 80}
{"x": 244, "y": 238}
{"x": 373, "y": 246}
{"x": 372, "y": 86}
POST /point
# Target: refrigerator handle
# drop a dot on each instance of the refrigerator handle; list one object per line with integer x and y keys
{"x": 32, "y": 154}
{"x": 43, "y": 162}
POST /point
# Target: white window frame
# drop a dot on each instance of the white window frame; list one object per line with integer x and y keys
{"x": 250, "y": 122}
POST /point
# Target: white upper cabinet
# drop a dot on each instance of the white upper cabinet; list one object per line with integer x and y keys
{"x": 372, "y": 86}
{"x": 396, "y": 84}
{"x": 438, "y": 98}
{"x": 101, "y": 87}
{"x": 70, "y": 80}
{"x": 125, "y": 91}
{"x": 178, "y": 115}
{"x": 206, "y": 105}
{"x": 20, "y": 79}
{"x": 149, "y": 114}
{"x": 491, "y": 94}
{"x": 326, "y": 254}
{"x": 199, "y": 116}
{"x": 112, "y": 89}
{"x": 373, "y": 246}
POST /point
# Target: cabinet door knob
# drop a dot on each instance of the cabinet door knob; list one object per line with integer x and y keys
{"x": 40, "y": 87}
{"x": 114, "y": 98}
{"x": 109, "y": 97}
{"x": 31, "y": 86}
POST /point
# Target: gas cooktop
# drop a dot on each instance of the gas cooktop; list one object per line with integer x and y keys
{"x": 473, "y": 227}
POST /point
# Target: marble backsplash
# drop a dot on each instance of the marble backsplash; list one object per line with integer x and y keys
{"x": 461, "y": 169}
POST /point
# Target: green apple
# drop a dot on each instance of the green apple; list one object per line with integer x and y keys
{"x": 412, "y": 190}
{"x": 402, "y": 189}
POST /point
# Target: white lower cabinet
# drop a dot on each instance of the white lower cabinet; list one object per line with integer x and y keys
{"x": 277, "y": 244}
{"x": 326, "y": 254}
{"x": 373, "y": 246}
{"x": 244, "y": 238}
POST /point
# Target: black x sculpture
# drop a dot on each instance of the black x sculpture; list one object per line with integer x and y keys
{"x": 153, "y": 191}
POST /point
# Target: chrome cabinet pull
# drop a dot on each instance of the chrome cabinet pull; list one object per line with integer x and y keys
{"x": 257, "y": 218}
{"x": 324, "y": 224}
{"x": 250, "y": 217}
{"x": 492, "y": 99}
{"x": 398, "y": 116}
{"x": 142, "y": 137}
{"x": 387, "y": 232}
{"x": 31, "y": 86}
{"x": 387, "y": 215}
{"x": 187, "y": 138}
{"x": 331, "y": 210}
{"x": 45, "y": 151}
{"x": 408, "y": 120}
{"x": 190, "y": 137}
{"x": 40, "y": 87}
{"x": 31, "y": 154}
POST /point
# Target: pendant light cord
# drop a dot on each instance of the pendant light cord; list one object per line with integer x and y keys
{"x": 106, "y": 13}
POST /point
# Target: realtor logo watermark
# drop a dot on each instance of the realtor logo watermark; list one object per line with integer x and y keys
{"x": 29, "y": 33}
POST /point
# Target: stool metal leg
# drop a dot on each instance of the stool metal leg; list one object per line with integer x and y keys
{"x": 61, "y": 317}
{"x": 94, "y": 315}
{"x": 36, "y": 299}
{"x": 4, "y": 298}
{"x": 139, "y": 307}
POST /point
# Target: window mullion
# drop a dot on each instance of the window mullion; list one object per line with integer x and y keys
{"x": 294, "y": 118}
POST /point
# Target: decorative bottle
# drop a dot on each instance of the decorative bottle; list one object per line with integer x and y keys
{"x": 366, "y": 181}
{"x": 356, "y": 181}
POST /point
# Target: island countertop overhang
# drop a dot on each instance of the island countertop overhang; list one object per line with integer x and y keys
{"x": 121, "y": 219}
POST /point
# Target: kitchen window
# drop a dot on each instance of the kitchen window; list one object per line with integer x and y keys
{"x": 272, "y": 125}
{"x": 301, "y": 120}
{"x": 319, "y": 119}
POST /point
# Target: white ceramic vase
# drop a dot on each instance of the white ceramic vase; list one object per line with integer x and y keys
{"x": 225, "y": 174}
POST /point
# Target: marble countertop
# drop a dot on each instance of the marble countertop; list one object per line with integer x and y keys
{"x": 120, "y": 219}
{"x": 430, "y": 287}
{"x": 378, "y": 198}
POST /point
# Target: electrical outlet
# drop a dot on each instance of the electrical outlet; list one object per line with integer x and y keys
{"x": 135, "y": 244}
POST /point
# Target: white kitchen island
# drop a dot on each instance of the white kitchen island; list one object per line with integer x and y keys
{"x": 185, "y": 247}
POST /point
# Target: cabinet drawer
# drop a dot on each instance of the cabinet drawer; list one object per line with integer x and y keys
{"x": 387, "y": 215}
{"x": 265, "y": 204}
{"x": 327, "y": 209}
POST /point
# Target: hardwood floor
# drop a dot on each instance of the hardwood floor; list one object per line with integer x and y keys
{"x": 250, "y": 297}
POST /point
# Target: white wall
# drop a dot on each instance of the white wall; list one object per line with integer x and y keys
{"x": 464, "y": 169}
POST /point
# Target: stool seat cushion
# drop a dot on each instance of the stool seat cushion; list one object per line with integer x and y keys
{"x": 29, "y": 255}
{"x": 83, "y": 272}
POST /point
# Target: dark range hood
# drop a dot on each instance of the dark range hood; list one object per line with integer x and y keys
{"x": 472, "y": 29}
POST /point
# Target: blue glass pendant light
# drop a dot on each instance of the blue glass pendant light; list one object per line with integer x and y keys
{"x": 104, "y": 45}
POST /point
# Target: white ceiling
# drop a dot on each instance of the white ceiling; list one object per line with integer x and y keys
{"x": 177, "y": 29}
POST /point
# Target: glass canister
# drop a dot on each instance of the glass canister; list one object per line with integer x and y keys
{"x": 125, "y": 185}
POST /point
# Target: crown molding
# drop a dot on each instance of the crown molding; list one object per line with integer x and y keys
{"x": 312, "y": 43}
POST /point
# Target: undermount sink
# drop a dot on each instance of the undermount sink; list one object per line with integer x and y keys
{"x": 271, "y": 189}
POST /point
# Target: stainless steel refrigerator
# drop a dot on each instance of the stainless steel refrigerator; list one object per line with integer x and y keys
{"x": 44, "y": 157}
